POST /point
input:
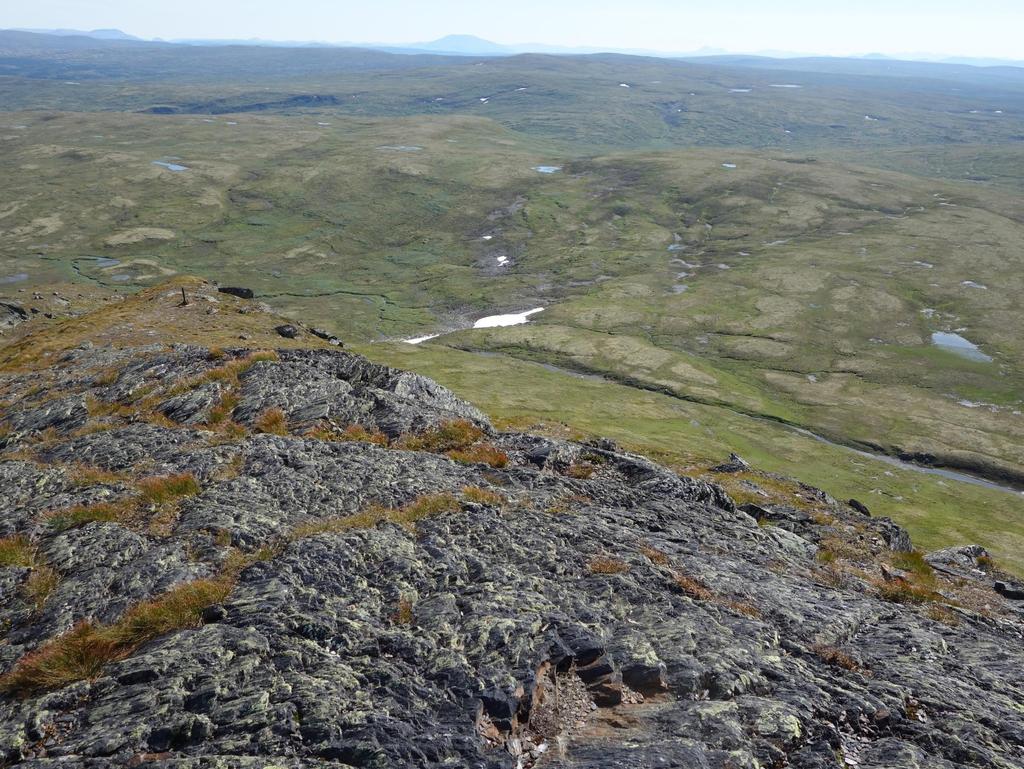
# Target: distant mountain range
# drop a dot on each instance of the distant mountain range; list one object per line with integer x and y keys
{"x": 98, "y": 34}
{"x": 471, "y": 45}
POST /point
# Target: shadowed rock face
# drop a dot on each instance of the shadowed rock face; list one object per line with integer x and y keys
{"x": 618, "y": 617}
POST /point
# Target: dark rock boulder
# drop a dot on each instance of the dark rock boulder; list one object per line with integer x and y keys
{"x": 287, "y": 330}
{"x": 241, "y": 293}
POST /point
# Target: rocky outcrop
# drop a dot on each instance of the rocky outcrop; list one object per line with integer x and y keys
{"x": 572, "y": 605}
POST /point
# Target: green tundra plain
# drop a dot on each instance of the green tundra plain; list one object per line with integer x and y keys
{"x": 724, "y": 258}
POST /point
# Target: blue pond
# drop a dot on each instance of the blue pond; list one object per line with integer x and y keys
{"x": 957, "y": 344}
{"x": 170, "y": 166}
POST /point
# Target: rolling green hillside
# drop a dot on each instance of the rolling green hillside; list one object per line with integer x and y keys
{"x": 722, "y": 250}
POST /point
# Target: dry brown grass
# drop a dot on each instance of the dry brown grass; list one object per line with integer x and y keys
{"x": 654, "y": 555}
{"x": 39, "y": 586}
{"x": 17, "y": 551}
{"x": 447, "y": 436}
{"x": 903, "y": 591}
{"x": 220, "y": 414}
{"x": 87, "y": 475}
{"x": 693, "y": 587}
{"x": 162, "y": 489}
{"x": 943, "y": 614}
{"x": 272, "y": 421}
{"x": 403, "y": 612}
{"x": 741, "y": 607}
{"x": 83, "y": 652}
{"x": 480, "y": 454}
{"x": 422, "y": 507}
{"x": 834, "y": 657}
{"x": 352, "y": 433}
{"x": 606, "y": 564}
{"x": 580, "y": 470}
{"x": 483, "y": 496}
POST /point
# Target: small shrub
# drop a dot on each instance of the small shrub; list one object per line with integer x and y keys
{"x": 272, "y": 421}
{"x": 985, "y": 562}
{"x": 604, "y": 564}
{"x": 483, "y": 496}
{"x": 654, "y": 555}
{"x": 480, "y": 454}
{"x": 162, "y": 489}
{"x": 692, "y": 587}
{"x": 215, "y": 353}
{"x": 447, "y": 436}
{"x": 834, "y": 657}
{"x": 580, "y": 470}
{"x": 17, "y": 551}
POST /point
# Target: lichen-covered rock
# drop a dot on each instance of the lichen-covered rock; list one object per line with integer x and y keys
{"x": 622, "y": 617}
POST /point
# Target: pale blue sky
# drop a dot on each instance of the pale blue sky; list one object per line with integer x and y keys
{"x": 990, "y": 28}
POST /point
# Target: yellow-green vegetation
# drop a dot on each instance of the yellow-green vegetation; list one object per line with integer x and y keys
{"x": 157, "y": 495}
{"x": 483, "y": 496}
{"x": 692, "y": 437}
{"x": 447, "y": 436}
{"x": 422, "y": 507}
{"x": 160, "y": 490}
{"x": 83, "y": 652}
{"x": 16, "y": 550}
{"x": 79, "y": 515}
{"x": 42, "y": 580}
{"x": 40, "y": 584}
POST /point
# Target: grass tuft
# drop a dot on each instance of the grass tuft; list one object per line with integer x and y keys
{"x": 834, "y": 657}
{"x": 40, "y": 586}
{"x": 426, "y": 506}
{"x": 480, "y": 454}
{"x": 162, "y": 489}
{"x": 580, "y": 470}
{"x": 693, "y": 587}
{"x": 84, "y": 651}
{"x": 483, "y": 496}
{"x": 447, "y": 436}
{"x": 17, "y": 551}
{"x": 654, "y": 555}
{"x": 272, "y": 421}
{"x": 605, "y": 564}
{"x": 79, "y": 515}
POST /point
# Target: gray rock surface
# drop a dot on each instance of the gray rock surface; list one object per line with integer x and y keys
{"x": 560, "y": 627}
